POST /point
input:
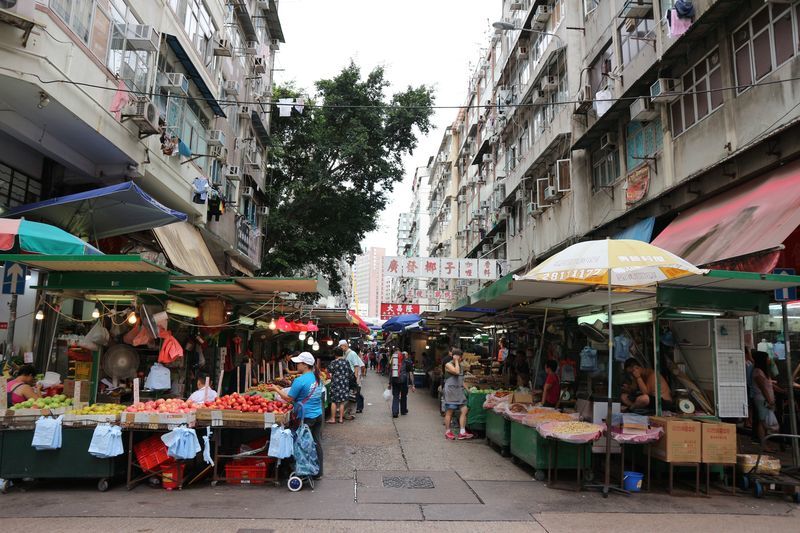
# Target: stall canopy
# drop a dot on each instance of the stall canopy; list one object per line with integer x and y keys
{"x": 396, "y": 324}
{"x": 749, "y": 219}
{"x": 87, "y": 263}
{"x": 101, "y": 213}
{"x": 641, "y": 231}
{"x": 194, "y": 74}
{"x": 186, "y": 249}
{"x": 244, "y": 289}
{"x": 37, "y": 238}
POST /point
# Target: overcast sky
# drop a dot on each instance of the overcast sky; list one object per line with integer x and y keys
{"x": 430, "y": 42}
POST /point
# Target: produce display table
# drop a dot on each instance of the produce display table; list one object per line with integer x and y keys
{"x": 652, "y": 435}
{"x": 530, "y": 447}
{"x": 582, "y": 452}
{"x": 159, "y": 468}
{"x": 498, "y": 431}
{"x": 19, "y": 460}
{"x": 476, "y": 417}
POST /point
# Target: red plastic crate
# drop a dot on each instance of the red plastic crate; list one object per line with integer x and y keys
{"x": 151, "y": 452}
{"x": 247, "y": 471}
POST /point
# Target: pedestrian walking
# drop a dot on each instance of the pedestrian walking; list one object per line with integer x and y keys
{"x": 455, "y": 397}
{"x": 355, "y": 366}
{"x": 400, "y": 380}
{"x": 341, "y": 376}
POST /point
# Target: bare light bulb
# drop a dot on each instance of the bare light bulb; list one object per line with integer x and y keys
{"x": 315, "y": 346}
{"x": 272, "y": 325}
{"x": 96, "y": 313}
{"x": 39, "y": 315}
{"x": 132, "y": 318}
{"x": 302, "y": 335}
{"x": 310, "y": 340}
{"x": 330, "y": 342}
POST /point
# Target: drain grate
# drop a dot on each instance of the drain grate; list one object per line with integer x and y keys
{"x": 407, "y": 482}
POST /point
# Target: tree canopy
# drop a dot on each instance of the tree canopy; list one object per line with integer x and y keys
{"x": 333, "y": 166}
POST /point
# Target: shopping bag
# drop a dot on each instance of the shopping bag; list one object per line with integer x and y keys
{"x": 47, "y": 434}
{"x": 305, "y": 452}
{"x": 588, "y": 358}
{"x": 207, "y": 447}
{"x": 387, "y": 394}
{"x": 106, "y": 441}
{"x": 182, "y": 443}
{"x": 281, "y": 443}
{"x": 98, "y": 334}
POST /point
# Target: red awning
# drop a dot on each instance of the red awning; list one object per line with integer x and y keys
{"x": 754, "y": 217}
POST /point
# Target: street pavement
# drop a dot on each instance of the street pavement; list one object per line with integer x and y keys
{"x": 385, "y": 474}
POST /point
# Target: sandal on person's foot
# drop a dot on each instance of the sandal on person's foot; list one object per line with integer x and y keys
{"x": 349, "y": 417}
{"x": 330, "y": 421}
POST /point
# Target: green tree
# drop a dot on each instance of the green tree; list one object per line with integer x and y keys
{"x": 333, "y": 167}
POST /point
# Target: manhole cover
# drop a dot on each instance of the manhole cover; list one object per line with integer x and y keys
{"x": 408, "y": 482}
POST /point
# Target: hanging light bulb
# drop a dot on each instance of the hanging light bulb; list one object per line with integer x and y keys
{"x": 132, "y": 318}
{"x": 272, "y": 324}
{"x": 39, "y": 314}
{"x": 302, "y": 335}
{"x": 95, "y": 313}
{"x": 310, "y": 340}
{"x": 330, "y": 342}
{"x": 315, "y": 346}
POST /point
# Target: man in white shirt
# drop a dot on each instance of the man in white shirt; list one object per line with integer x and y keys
{"x": 355, "y": 365}
{"x": 204, "y": 392}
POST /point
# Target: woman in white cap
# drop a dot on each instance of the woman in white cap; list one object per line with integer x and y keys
{"x": 306, "y": 394}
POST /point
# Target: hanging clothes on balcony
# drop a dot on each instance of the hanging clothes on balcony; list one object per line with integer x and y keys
{"x": 677, "y": 25}
{"x": 214, "y": 204}
{"x": 200, "y": 189}
{"x": 184, "y": 149}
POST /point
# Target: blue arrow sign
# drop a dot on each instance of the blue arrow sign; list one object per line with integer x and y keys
{"x": 14, "y": 278}
{"x": 786, "y": 294}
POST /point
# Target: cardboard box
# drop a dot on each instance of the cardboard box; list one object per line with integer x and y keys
{"x": 681, "y": 442}
{"x": 522, "y": 397}
{"x": 719, "y": 442}
{"x": 69, "y": 389}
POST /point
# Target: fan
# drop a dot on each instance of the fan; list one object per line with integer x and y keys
{"x": 594, "y": 331}
{"x": 148, "y": 321}
{"x": 120, "y": 362}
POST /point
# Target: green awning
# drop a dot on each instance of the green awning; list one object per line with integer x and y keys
{"x": 87, "y": 263}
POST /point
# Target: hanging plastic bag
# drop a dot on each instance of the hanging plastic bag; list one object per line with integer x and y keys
{"x": 97, "y": 334}
{"x": 281, "y": 442}
{"x": 129, "y": 337}
{"x": 47, "y": 435}
{"x": 106, "y": 441}
{"x": 588, "y": 357}
{"x": 387, "y": 394}
{"x": 158, "y": 378}
{"x": 207, "y": 447}
{"x": 182, "y": 443}
{"x": 305, "y": 452}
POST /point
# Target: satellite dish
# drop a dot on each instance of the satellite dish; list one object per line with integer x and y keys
{"x": 593, "y": 332}
{"x": 120, "y": 362}
{"x": 148, "y": 321}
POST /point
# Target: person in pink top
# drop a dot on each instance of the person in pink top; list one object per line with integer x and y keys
{"x": 22, "y": 387}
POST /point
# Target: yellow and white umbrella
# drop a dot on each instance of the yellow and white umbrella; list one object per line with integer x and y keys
{"x": 619, "y": 263}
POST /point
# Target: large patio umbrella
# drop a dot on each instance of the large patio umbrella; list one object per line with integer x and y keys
{"x": 37, "y": 238}
{"x": 613, "y": 263}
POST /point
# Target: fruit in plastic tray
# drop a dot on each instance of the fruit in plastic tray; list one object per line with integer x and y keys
{"x": 100, "y": 409}
{"x": 52, "y": 402}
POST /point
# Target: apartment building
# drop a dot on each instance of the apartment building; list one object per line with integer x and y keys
{"x": 170, "y": 96}
{"x": 368, "y": 284}
{"x": 594, "y": 118}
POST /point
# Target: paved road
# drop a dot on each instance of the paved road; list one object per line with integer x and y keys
{"x": 462, "y": 480}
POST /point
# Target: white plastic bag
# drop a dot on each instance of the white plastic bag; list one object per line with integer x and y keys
{"x": 97, "y": 336}
{"x": 47, "y": 435}
{"x": 158, "y": 378}
{"x": 207, "y": 447}
{"x": 281, "y": 442}
{"x": 387, "y": 394}
{"x": 182, "y": 443}
{"x": 106, "y": 441}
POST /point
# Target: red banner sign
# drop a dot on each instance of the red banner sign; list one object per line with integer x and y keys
{"x": 390, "y": 310}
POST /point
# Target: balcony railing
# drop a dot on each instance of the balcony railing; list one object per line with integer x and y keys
{"x": 248, "y": 240}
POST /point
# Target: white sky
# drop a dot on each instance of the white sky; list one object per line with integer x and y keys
{"x": 430, "y": 42}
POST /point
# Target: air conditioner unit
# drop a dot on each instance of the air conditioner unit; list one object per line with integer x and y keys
{"x": 519, "y": 196}
{"x": 262, "y": 210}
{"x": 222, "y": 47}
{"x": 259, "y": 65}
{"x": 263, "y": 4}
{"x": 550, "y": 193}
{"x": 487, "y": 158}
{"x": 563, "y": 175}
{"x": 220, "y": 153}
{"x": 274, "y": 44}
{"x": 539, "y": 97}
{"x": 144, "y": 114}
{"x": 461, "y": 198}
{"x": 522, "y": 52}
{"x": 549, "y": 84}
{"x": 461, "y": 234}
{"x": 517, "y": 6}
{"x": 247, "y": 192}
{"x": 608, "y": 141}
{"x": 665, "y": 90}
{"x": 244, "y": 111}
{"x": 542, "y": 14}
{"x": 232, "y": 88}
{"x": 251, "y": 48}
{"x": 484, "y": 204}
{"x": 642, "y": 109}
{"x": 532, "y": 209}
{"x": 176, "y": 82}
{"x": 215, "y": 138}
{"x": 499, "y": 173}
{"x": 486, "y": 248}
{"x": 541, "y": 186}
{"x": 499, "y": 237}
{"x": 233, "y": 173}
{"x": 584, "y": 99}
{"x": 141, "y": 37}
{"x": 20, "y": 8}
{"x": 254, "y": 158}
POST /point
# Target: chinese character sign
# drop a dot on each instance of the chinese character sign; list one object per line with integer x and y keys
{"x": 392, "y": 267}
{"x": 390, "y": 310}
{"x": 440, "y": 268}
{"x": 487, "y": 268}
{"x": 469, "y": 269}
{"x": 449, "y": 269}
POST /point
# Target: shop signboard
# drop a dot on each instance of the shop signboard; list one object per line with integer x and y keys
{"x": 14, "y": 278}
{"x": 440, "y": 268}
{"x": 390, "y": 310}
{"x": 430, "y": 294}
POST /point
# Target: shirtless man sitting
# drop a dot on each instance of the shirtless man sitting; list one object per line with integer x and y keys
{"x": 641, "y": 394}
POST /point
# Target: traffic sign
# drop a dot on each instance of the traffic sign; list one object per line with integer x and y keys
{"x": 14, "y": 278}
{"x": 786, "y": 294}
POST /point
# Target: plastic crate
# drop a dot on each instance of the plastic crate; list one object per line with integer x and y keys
{"x": 247, "y": 471}
{"x": 151, "y": 452}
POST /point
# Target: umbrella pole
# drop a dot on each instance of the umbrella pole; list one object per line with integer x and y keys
{"x": 538, "y": 359}
{"x": 609, "y": 404}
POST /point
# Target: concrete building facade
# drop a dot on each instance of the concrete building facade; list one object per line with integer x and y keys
{"x": 368, "y": 284}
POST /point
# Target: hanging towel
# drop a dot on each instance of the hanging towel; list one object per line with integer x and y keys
{"x": 299, "y": 104}
{"x": 200, "y": 189}
{"x": 285, "y": 107}
{"x": 184, "y": 149}
{"x": 677, "y": 24}
{"x": 120, "y": 100}
{"x": 171, "y": 349}
{"x": 602, "y": 102}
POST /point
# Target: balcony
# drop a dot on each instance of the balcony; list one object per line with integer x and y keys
{"x": 248, "y": 241}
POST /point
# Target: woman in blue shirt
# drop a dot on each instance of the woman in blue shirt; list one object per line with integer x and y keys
{"x": 306, "y": 394}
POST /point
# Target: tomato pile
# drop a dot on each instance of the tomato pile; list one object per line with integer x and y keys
{"x": 249, "y": 404}
{"x": 172, "y": 405}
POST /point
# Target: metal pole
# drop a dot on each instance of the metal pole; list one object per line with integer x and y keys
{"x": 609, "y": 404}
{"x": 538, "y": 359}
{"x": 12, "y": 320}
{"x": 790, "y": 384}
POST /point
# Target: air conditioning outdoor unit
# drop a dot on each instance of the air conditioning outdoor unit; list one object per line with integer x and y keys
{"x": 519, "y": 196}
{"x": 141, "y": 37}
{"x": 484, "y": 204}
{"x": 251, "y": 48}
{"x": 608, "y": 141}
{"x": 532, "y": 209}
{"x": 517, "y": 6}
{"x": 233, "y": 173}
{"x": 563, "y": 175}
{"x": 584, "y": 99}
{"x": 222, "y": 47}
{"x": 522, "y": 52}
{"x": 176, "y": 82}
{"x": 665, "y": 90}
{"x": 232, "y": 88}
{"x": 542, "y": 14}
{"x": 642, "y": 109}
{"x": 549, "y": 84}
{"x": 274, "y": 44}
{"x": 215, "y": 138}
{"x": 487, "y": 158}
{"x": 254, "y": 158}
{"x": 262, "y": 210}
{"x": 259, "y": 65}
{"x": 220, "y": 153}
{"x": 20, "y": 8}
{"x": 247, "y": 192}
{"x": 486, "y": 248}
{"x": 144, "y": 114}
{"x": 244, "y": 111}
{"x": 550, "y": 193}
{"x": 539, "y": 97}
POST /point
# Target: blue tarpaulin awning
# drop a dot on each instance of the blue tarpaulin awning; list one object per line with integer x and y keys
{"x": 641, "y": 231}
{"x": 400, "y": 323}
{"x": 100, "y": 213}
{"x": 193, "y": 74}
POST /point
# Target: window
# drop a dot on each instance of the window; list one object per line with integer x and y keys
{"x": 77, "y": 14}
{"x": 702, "y": 86}
{"x": 195, "y": 18}
{"x": 590, "y": 5}
{"x": 642, "y": 139}
{"x": 17, "y": 188}
{"x": 766, "y": 41}
{"x": 605, "y": 166}
{"x": 635, "y": 38}
{"x": 132, "y": 66}
{"x": 598, "y": 71}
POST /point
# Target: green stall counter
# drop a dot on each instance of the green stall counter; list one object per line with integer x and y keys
{"x": 498, "y": 429}
{"x": 19, "y": 460}
{"x": 476, "y": 417}
{"x": 530, "y": 447}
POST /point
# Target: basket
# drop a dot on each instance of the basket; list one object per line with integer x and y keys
{"x": 151, "y": 452}
{"x": 172, "y": 475}
{"x": 247, "y": 471}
